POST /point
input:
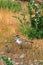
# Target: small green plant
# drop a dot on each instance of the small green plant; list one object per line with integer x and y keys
{"x": 41, "y": 63}
{"x": 24, "y": 26}
{"x": 15, "y": 6}
{"x": 36, "y": 20}
{"x": 9, "y": 4}
{"x": 7, "y": 60}
{"x": 3, "y": 4}
{"x": 35, "y": 28}
{"x": 35, "y": 17}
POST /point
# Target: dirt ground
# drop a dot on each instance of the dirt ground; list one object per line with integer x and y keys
{"x": 10, "y": 26}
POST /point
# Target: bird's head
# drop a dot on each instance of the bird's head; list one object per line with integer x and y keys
{"x": 16, "y": 37}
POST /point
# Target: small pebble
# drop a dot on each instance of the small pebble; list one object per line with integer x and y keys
{"x": 5, "y": 41}
{"x": 17, "y": 63}
{"x": 21, "y": 63}
{"x": 22, "y": 55}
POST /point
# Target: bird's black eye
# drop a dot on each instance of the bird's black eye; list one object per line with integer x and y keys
{"x": 17, "y": 35}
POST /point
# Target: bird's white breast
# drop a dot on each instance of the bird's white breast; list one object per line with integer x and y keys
{"x": 18, "y": 41}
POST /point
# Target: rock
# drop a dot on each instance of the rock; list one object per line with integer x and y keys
{"x": 35, "y": 60}
{"x": 17, "y": 63}
{"x": 21, "y": 63}
{"x": 31, "y": 64}
{"x": 6, "y": 41}
{"x": 22, "y": 56}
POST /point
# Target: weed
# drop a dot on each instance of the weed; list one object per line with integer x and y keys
{"x": 9, "y": 4}
{"x": 36, "y": 20}
{"x": 15, "y": 6}
{"x": 24, "y": 26}
{"x": 35, "y": 28}
{"x": 7, "y": 60}
{"x": 4, "y": 4}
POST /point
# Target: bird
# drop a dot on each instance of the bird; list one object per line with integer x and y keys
{"x": 22, "y": 41}
{"x": 18, "y": 40}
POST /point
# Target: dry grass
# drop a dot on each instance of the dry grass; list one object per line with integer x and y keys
{"x": 9, "y": 26}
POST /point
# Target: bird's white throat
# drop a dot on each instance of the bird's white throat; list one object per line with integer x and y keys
{"x": 18, "y": 41}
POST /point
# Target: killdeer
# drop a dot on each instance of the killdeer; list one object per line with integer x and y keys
{"x": 22, "y": 41}
{"x": 18, "y": 40}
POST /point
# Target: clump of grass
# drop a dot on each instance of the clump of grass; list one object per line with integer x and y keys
{"x": 3, "y": 4}
{"x": 35, "y": 28}
{"x": 36, "y": 20}
{"x": 32, "y": 33}
{"x": 15, "y": 6}
{"x": 23, "y": 23}
{"x": 7, "y": 60}
{"x": 9, "y": 4}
